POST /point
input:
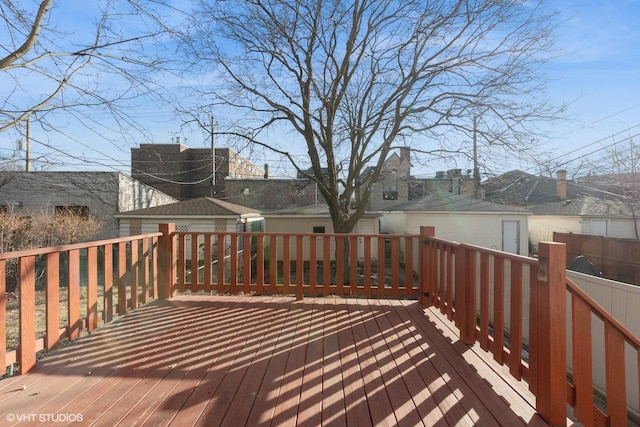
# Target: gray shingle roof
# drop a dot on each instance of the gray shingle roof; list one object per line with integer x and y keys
{"x": 588, "y": 206}
{"x": 203, "y": 206}
{"x": 521, "y": 188}
{"x": 448, "y": 202}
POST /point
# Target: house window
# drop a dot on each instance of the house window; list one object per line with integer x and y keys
{"x": 75, "y": 210}
{"x": 244, "y": 191}
{"x": 319, "y": 229}
{"x": 389, "y": 193}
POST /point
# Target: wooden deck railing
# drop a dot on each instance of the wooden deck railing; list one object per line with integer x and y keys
{"x": 298, "y": 264}
{"x": 77, "y": 287}
{"x": 515, "y": 307}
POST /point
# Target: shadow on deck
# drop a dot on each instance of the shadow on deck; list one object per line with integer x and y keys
{"x": 271, "y": 361}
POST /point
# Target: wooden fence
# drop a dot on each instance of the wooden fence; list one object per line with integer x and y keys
{"x": 618, "y": 259}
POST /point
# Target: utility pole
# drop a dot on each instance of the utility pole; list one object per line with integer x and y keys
{"x": 213, "y": 160}
{"x": 476, "y": 170}
{"x": 28, "y": 147}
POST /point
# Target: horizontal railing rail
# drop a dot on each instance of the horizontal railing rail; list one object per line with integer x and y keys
{"x": 302, "y": 264}
{"x": 62, "y": 291}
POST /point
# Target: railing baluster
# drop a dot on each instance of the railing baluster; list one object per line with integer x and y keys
{"x": 484, "y": 301}
{"x": 108, "y": 283}
{"x": 206, "y": 271}
{"x": 246, "y": 263}
{"x": 615, "y": 376}
{"x": 395, "y": 266}
{"x": 515, "y": 327}
{"x": 144, "y": 271}
{"x": 313, "y": 266}
{"x": 498, "y": 309}
{"x": 92, "y": 288}
{"x": 134, "y": 268}
{"x": 299, "y": 268}
{"x": 195, "y": 263}
{"x": 27, "y": 283}
{"x": 182, "y": 262}
{"x": 233, "y": 261}
{"x": 52, "y": 333}
{"x": 340, "y": 265}
{"x": 367, "y": 271}
{"x": 582, "y": 359}
{"x": 260, "y": 265}
{"x": 221, "y": 265}
{"x": 326, "y": 265}
{"x": 273, "y": 264}
{"x": 409, "y": 292}
{"x": 286, "y": 265}
{"x": 74, "y": 295}
{"x": 353, "y": 265}
{"x": 380, "y": 270}
{"x": 3, "y": 316}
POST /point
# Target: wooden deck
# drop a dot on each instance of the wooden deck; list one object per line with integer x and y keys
{"x": 201, "y": 360}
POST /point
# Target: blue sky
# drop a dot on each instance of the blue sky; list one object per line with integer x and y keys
{"x": 597, "y": 70}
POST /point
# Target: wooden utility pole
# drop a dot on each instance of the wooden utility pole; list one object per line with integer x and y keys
{"x": 213, "y": 160}
{"x": 28, "y": 145}
{"x": 476, "y": 170}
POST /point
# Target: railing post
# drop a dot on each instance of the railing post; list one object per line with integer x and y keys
{"x": 167, "y": 261}
{"x": 549, "y": 307}
{"x": 425, "y": 272}
{"x": 465, "y": 291}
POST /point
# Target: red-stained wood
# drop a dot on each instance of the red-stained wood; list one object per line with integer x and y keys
{"x": 134, "y": 268}
{"x": 92, "y": 288}
{"x": 122, "y": 278}
{"x": 447, "y": 284}
{"x": 313, "y": 264}
{"x": 182, "y": 262}
{"x": 52, "y": 333}
{"x": 582, "y": 361}
{"x": 260, "y": 265}
{"x": 299, "y": 268}
{"x": 484, "y": 302}
{"x": 395, "y": 266}
{"x": 108, "y": 283}
{"x": 326, "y": 265}
{"x": 3, "y": 317}
{"x": 27, "y": 280}
{"x": 515, "y": 327}
{"x": 206, "y": 271}
{"x": 233, "y": 262}
{"x": 221, "y": 263}
{"x": 194, "y": 279}
{"x": 74, "y": 323}
{"x": 246, "y": 262}
{"x": 367, "y": 271}
{"x": 353, "y": 266}
{"x": 615, "y": 375}
{"x": 498, "y": 309}
{"x": 216, "y": 360}
{"x": 408, "y": 268}
{"x": 380, "y": 271}
{"x": 154, "y": 266}
{"x": 339, "y": 279}
{"x": 286, "y": 264}
{"x": 145, "y": 272}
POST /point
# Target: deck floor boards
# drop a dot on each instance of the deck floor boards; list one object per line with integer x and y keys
{"x": 270, "y": 361}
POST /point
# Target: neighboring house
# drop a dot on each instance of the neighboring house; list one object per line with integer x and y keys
{"x": 562, "y": 205}
{"x": 585, "y": 215}
{"x": 271, "y": 194}
{"x": 396, "y": 184}
{"x": 462, "y": 219}
{"x": 99, "y": 194}
{"x": 316, "y": 219}
{"x": 517, "y": 188}
{"x": 204, "y": 214}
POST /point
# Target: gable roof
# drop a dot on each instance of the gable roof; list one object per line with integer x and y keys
{"x": 449, "y": 202}
{"x": 521, "y": 188}
{"x": 203, "y": 206}
{"x": 589, "y": 206}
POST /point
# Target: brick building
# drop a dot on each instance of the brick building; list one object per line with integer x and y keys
{"x": 188, "y": 173}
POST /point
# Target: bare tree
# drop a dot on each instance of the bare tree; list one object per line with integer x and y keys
{"x": 357, "y": 79}
{"x": 95, "y": 66}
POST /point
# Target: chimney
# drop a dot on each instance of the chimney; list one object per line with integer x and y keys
{"x": 266, "y": 171}
{"x": 405, "y": 154}
{"x": 561, "y": 184}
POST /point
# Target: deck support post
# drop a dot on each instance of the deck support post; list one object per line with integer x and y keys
{"x": 167, "y": 261}
{"x": 548, "y": 305}
{"x": 426, "y": 271}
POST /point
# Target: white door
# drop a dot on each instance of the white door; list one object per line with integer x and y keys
{"x": 599, "y": 227}
{"x": 511, "y": 236}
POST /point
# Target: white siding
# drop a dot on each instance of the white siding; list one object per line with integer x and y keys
{"x": 541, "y": 227}
{"x": 620, "y": 228}
{"x": 477, "y": 229}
